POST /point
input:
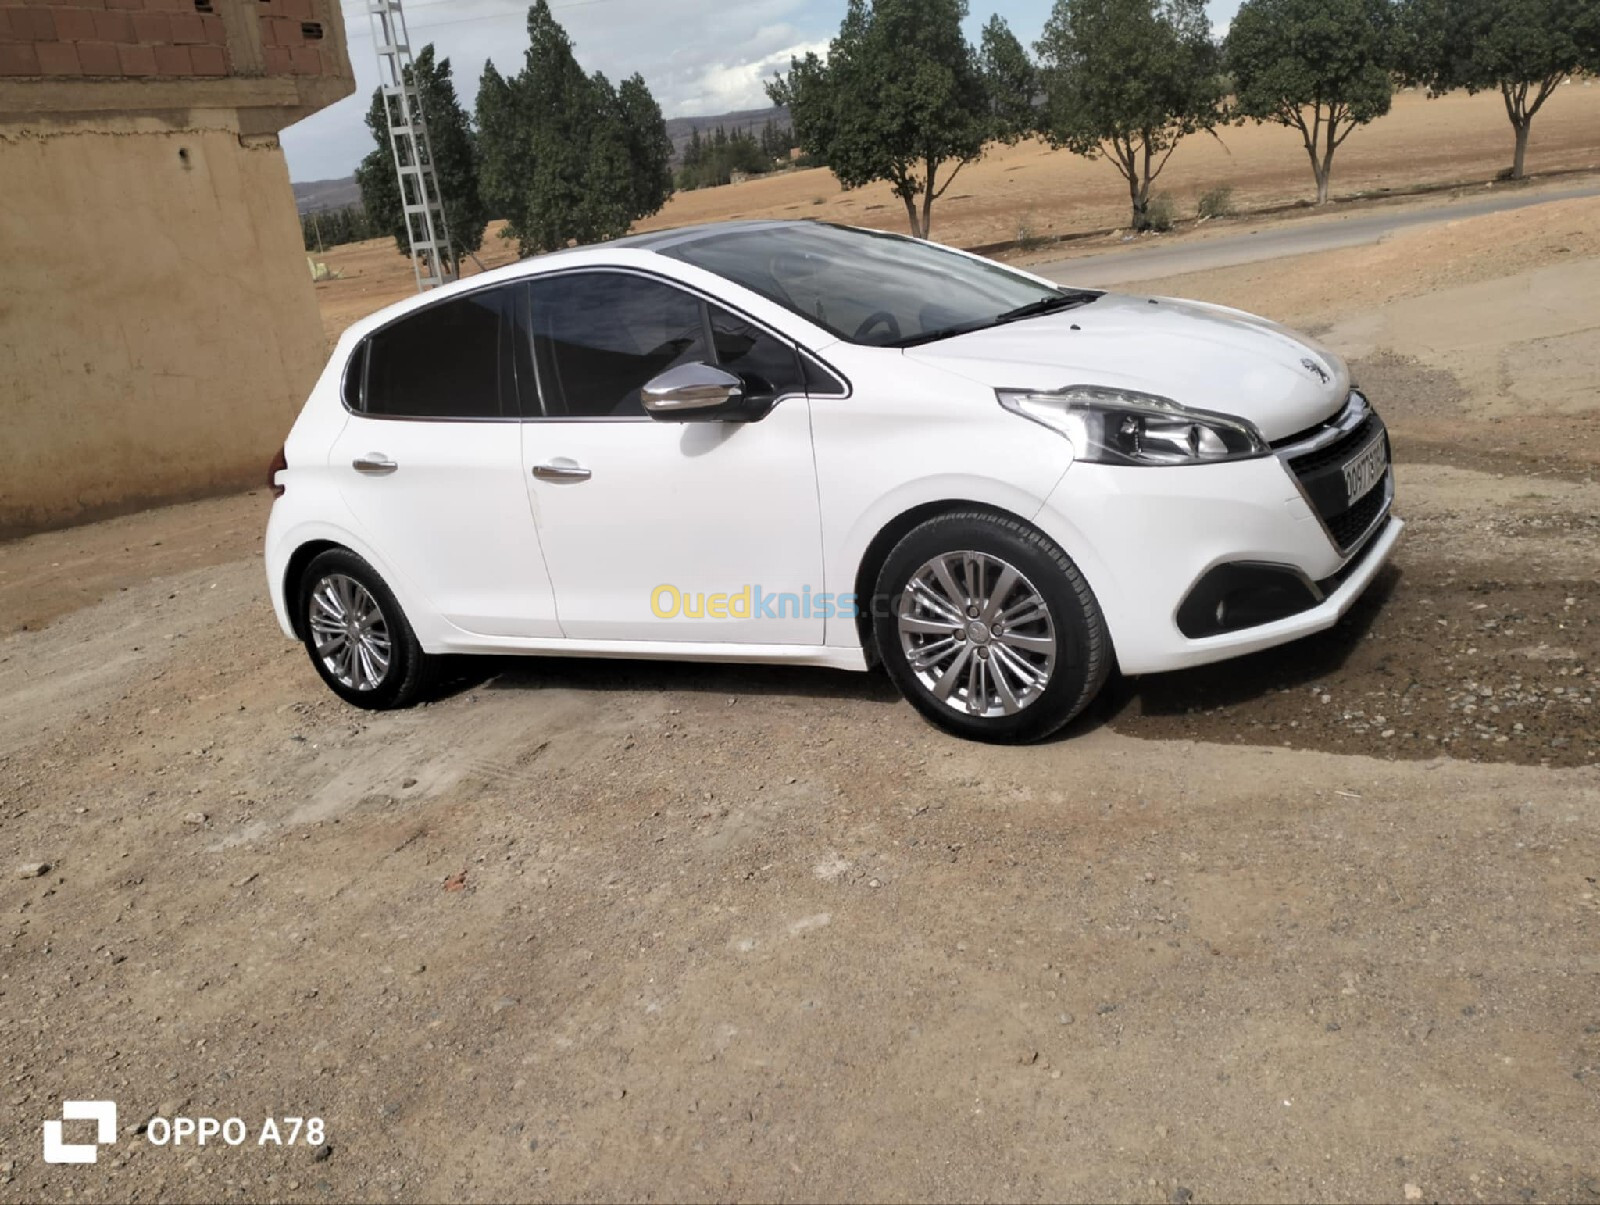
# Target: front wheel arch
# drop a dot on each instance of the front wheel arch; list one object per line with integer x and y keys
{"x": 882, "y": 544}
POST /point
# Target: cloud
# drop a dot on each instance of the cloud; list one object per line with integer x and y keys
{"x": 721, "y": 87}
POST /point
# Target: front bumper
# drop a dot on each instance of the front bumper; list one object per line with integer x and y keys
{"x": 1144, "y": 537}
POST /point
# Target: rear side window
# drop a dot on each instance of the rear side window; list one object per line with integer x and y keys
{"x": 451, "y": 360}
{"x": 601, "y": 336}
{"x": 355, "y": 376}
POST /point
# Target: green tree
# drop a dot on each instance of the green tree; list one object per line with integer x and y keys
{"x": 712, "y": 163}
{"x": 1129, "y": 79}
{"x": 649, "y": 147}
{"x": 455, "y": 162}
{"x": 326, "y": 228}
{"x": 609, "y": 174}
{"x": 1322, "y": 67}
{"x": 1012, "y": 82}
{"x": 901, "y": 98}
{"x": 567, "y": 158}
{"x": 1524, "y": 48}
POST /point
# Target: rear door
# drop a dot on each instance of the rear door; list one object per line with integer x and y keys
{"x": 431, "y": 464}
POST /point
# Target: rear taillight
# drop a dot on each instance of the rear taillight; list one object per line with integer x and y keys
{"x": 279, "y": 463}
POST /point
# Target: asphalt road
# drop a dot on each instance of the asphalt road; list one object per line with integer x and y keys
{"x": 1147, "y": 262}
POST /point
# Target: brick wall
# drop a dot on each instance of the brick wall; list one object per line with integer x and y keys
{"x": 116, "y": 39}
{"x": 284, "y": 44}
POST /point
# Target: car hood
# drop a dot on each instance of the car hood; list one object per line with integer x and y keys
{"x": 1205, "y": 356}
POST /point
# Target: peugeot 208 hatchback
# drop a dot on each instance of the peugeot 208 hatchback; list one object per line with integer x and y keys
{"x": 795, "y": 442}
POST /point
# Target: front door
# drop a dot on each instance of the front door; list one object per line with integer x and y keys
{"x": 667, "y": 531}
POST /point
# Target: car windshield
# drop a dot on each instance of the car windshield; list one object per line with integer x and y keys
{"x": 876, "y": 289}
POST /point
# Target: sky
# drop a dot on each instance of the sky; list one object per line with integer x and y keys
{"x": 698, "y": 56}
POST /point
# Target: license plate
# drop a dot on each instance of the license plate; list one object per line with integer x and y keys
{"x": 1364, "y": 470}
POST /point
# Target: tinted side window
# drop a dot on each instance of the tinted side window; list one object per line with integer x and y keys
{"x": 820, "y": 382}
{"x": 768, "y": 366}
{"x": 355, "y": 373}
{"x": 450, "y": 360}
{"x": 601, "y": 336}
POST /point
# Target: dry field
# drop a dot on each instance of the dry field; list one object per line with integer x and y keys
{"x": 1421, "y": 142}
{"x": 1320, "y": 924}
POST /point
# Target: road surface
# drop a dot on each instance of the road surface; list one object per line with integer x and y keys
{"x": 1172, "y": 258}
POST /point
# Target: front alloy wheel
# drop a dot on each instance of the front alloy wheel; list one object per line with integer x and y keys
{"x": 988, "y": 628}
{"x": 977, "y": 634}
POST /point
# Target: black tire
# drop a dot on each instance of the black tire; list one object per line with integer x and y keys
{"x": 409, "y": 672}
{"x": 1081, "y": 650}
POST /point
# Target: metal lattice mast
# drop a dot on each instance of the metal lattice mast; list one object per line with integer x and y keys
{"x": 413, "y": 153}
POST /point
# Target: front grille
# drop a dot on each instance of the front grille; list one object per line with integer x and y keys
{"x": 1320, "y": 473}
{"x": 1338, "y": 452}
{"x": 1350, "y": 526}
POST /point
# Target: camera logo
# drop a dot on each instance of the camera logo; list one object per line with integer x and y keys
{"x": 102, "y": 1112}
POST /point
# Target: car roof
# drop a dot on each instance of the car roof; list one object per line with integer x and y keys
{"x": 654, "y": 241}
{"x": 682, "y": 236}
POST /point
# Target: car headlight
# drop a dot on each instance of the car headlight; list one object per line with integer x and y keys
{"x": 1120, "y": 426}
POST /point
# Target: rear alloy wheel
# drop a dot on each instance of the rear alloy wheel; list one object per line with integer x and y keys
{"x": 350, "y": 633}
{"x": 357, "y": 636}
{"x": 989, "y": 629}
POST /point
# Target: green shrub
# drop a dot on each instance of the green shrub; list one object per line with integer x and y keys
{"x": 1159, "y": 213}
{"x": 1216, "y": 203}
{"x": 1028, "y": 239}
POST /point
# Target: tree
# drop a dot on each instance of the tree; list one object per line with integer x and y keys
{"x": 566, "y": 157}
{"x": 1012, "y": 82}
{"x": 776, "y": 140}
{"x": 455, "y": 162}
{"x": 708, "y": 164}
{"x": 1129, "y": 79}
{"x": 1525, "y": 48}
{"x": 693, "y": 154}
{"x": 649, "y": 147}
{"x": 326, "y": 228}
{"x": 899, "y": 99}
{"x": 1322, "y": 67}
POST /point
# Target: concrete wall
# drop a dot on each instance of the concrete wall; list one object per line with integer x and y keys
{"x": 158, "y": 329}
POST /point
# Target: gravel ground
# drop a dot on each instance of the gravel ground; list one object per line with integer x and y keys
{"x": 1321, "y": 924}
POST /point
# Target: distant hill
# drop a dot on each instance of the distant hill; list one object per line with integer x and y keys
{"x": 681, "y": 129}
{"x": 316, "y": 195}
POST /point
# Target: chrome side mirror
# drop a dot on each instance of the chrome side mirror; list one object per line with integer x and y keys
{"x": 694, "y": 393}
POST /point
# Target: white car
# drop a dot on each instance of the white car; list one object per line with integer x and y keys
{"x": 796, "y": 442}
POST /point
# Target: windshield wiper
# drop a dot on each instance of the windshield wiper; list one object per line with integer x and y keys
{"x": 1049, "y": 305}
{"x": 946, "y": 332}
{"x": 1045, "y": 305}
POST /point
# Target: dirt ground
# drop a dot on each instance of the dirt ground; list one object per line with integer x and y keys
{"x": 1321, "y": 924}
{"x": 1421, "y": 142}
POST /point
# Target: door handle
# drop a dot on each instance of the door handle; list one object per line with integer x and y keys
{"x": 561, "y": 470}
{"x": 374, "y": 464}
